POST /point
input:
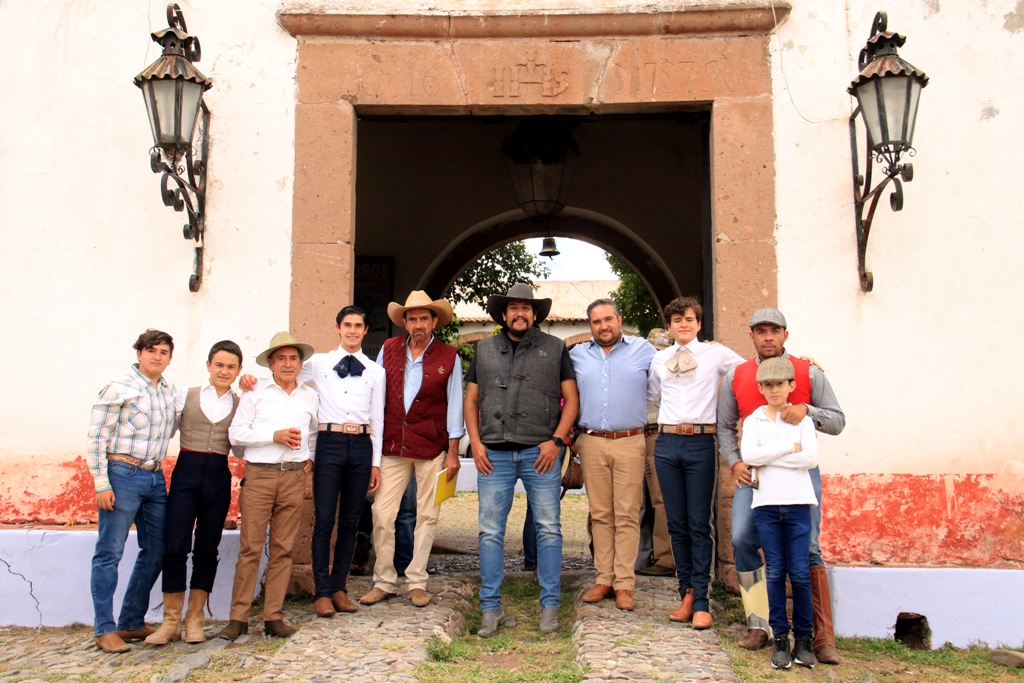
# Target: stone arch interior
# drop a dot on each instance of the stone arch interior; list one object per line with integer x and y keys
{"x": 433, "y": 194}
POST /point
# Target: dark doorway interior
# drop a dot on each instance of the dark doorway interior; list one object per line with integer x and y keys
{"x": 423, "y": 183}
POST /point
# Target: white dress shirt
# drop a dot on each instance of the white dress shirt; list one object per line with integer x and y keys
{"x": 214, "y": 407}
{"x": 784, "y": 475}
{"x": 357, "y": 400}
{"x": 690, "y": 397}
{"x": 269, "y": 408}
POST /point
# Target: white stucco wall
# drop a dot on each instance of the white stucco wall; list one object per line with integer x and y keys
{"x": 90, "y": 255}
{"x": 926, "y": 366}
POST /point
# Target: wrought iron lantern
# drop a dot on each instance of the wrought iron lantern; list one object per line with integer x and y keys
{"x": 541, "y": 157}
{"x": 887, "y": 90}
{"x": 173, "y": 91}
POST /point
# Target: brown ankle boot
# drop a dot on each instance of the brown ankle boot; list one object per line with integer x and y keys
{"x": 170, "y": 629}
{"x": 824, "y": 634}
{"x": 278, "y": 628}
{"x": 194, "y": 616}
{"x": 685, "y": 610}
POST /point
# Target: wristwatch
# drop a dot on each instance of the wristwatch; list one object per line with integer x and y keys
{"x": 558, "y": 441}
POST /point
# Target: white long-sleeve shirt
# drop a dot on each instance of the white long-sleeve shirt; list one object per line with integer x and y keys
{"x": 690, "y": 397}
{"x": 269, "y": 408}
{"x": 784, "y": 474}
{"x": 357, "y": 400}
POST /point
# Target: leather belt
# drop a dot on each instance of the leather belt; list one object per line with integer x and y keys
{"x": 148, "y": 465}
{"x": 621, "y": 434}
{"x": 283, "y": 466}
{"x": 688, "y": 430}
{"x": 651, "y": 429}
{"x": 346, "y": 428}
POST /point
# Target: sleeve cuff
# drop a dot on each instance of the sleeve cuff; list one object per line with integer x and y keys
{"x": 101, "y": 483}
{"x": 376, "y": 459}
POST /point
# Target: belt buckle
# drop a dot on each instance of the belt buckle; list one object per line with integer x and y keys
{"x": 150, "y": 465}
{"x": 348, "y": 428}
{"x": 687, "y": 430}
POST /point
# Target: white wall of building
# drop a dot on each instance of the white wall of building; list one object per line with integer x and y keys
{"x": 925, "y": 366}
{"x": 91, "y": 257}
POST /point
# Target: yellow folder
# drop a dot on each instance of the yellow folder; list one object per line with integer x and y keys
{"x": 444, "y": 489}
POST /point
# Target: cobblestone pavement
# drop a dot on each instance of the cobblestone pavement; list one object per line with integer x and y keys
{"x": 644, "y": 645}
{"x": 378, "y": 644}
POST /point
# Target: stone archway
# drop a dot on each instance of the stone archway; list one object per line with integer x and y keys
{"x": 587, "y": 226}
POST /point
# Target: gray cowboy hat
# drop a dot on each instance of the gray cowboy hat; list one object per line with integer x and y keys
{"x": 520, "y": 291}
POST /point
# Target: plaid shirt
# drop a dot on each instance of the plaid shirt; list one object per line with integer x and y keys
{"x": 132, "y": 416}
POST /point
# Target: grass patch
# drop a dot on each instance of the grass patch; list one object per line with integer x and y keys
{"x": 515, "y": 655}
{"x": 864, "y": 659}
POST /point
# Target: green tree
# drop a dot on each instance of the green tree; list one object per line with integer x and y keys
{"x": 493, "y": 273}
{"x": 635, "y": 301}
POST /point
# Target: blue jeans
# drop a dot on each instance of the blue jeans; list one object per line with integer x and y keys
{"x": 745, "y": 541}
{"x": 687, "y": 471}
{"x": 529, "y": 540}
{"x": 140, "y": 497}
{"x": 785, "y": 532}
{"x": 405, "y": 527}
{"x": 496, "y": 491}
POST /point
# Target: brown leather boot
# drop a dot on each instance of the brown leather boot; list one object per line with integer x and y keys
{"x": 278, "y": 628}
{"x": 323, "y": 607}
{"x": 685, "y": 610}
{"x": 342, "y": 603}
{"x": 754, "y": 640}
{"x": 824, "y": 634}
{"x": 598, "y": 593}
{"x": 170, "y": 629}
{"x": 137, "y": 634}
{"x": 194, "y": 616}
{"x": 233, "y": 629}
{"x": 624, "y": 599}
{"x": 701, "y": 620}
{"x": 112, "y": 643}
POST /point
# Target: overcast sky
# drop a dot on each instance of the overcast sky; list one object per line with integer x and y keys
{"x": 577, "y": 260}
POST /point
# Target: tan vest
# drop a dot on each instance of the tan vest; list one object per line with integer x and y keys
{"x": 198, "y": 433}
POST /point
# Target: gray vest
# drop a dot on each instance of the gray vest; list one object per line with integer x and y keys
{"x": 198, "y": 433}
{"x": 520, "y": 393}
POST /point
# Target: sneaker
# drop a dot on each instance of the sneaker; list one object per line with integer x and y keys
{"x": 781, "y": 657}
{"x": 803, "y": 652}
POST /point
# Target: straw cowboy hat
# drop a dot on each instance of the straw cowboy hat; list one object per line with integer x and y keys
{"x": 520, "y": 291}
{"x": 280, "y": 340}
{"x": 419, "y": 299}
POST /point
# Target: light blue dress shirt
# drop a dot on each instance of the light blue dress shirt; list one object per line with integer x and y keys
{"x": 613, "y": 385}
{"x": 414, "y": 380}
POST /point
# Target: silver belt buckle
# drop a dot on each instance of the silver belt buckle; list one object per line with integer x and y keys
{"x": 150, "y": 465}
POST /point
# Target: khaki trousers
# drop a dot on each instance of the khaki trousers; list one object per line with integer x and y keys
{"x": 662, "y": 541}
{"x": 268, "y": 498}
{"x": 613, "y": 470}
{"x": 394, "y": 477}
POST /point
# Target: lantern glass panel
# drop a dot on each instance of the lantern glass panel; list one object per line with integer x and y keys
{"x": 154, "y": 123}
{"x": 191, "y": 97}
{"x": 915, "y": 96}
{"x": 894, "y": 96}
{"x": 166, "y": 96}
{"x": 867, "y": 96}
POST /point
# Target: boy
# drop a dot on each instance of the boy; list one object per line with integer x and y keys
{"x": 685, "y": 378}
{"x": 132, "y": 421}
{"x": 783, "y": 496}
{"x": 200, "y": 494}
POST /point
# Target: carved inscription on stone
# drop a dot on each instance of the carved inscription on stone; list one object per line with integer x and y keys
{"x": 529, "y": 71}
{"x": 664, "y": 78}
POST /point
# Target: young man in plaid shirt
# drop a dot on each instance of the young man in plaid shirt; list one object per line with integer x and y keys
{"x": 132, "y": 421}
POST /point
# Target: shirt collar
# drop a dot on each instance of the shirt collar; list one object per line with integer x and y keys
{"x": 692, "y": 346}
{"x": 206, "y": 386}
{"x": 343, "y": 352}
{"x": 135, "y": 368}
{"x": 626, "y": 339}
{"x": 408, "y": 350}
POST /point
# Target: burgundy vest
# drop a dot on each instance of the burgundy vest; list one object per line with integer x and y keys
{"x": 749, "y": 399}
{"x": 422, "y": 433}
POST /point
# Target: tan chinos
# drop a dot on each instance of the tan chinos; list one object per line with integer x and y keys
{"x": 613, "y": 471}
{"x": 268, "y": 498}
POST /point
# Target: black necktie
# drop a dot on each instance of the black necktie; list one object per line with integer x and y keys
{"x": 349, "y": 365}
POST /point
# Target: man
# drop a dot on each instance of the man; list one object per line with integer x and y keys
{"x": 276, "y": 423}
{"x": 611, "y": 371}
{"x": 200, "y": 494}
{"x": 685, "y": 377}
{"x": 132, "y": 421}
{"x": 518, "y": 430}
{"x": 422, "y": 428}
{"x": 739, "y": 398}
{"x": 351, "y": 417}
{"x": 661, "y": 543}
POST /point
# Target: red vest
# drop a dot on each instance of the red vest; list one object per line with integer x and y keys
{"x": 423, "y": 432}
{"x": 749, "y": 399}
